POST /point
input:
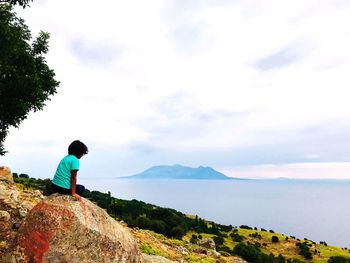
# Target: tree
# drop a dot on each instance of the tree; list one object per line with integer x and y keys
{"x": 23, "y": 3}
{"x": 26, "y": 81}
{"x": 23, "y": 176}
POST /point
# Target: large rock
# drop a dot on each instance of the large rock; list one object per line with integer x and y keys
{"x": 5, "y": 174}
{"x": 207, "y": 243}
{"x": 60, "y": 229}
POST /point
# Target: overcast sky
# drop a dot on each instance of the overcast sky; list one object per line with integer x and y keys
{"x": 252, "y": 88}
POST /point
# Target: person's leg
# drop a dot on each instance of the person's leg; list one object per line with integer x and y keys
{"x": 60, "y": 190}
{"x": 79, "y": 189}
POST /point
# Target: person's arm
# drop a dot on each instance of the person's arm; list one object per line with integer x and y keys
{"x": 73, "y": 184}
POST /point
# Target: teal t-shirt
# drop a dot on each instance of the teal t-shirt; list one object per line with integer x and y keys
{"x": 62, "y": 176}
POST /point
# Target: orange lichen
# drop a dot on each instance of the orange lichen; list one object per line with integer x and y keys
{"x": 35, "y": 244}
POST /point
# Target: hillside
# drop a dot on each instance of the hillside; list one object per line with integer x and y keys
{"x": 179, "y": 172}
{"x": 170, "y": 236}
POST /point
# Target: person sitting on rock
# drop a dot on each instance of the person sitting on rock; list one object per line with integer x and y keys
{"x": 65, "y": 179}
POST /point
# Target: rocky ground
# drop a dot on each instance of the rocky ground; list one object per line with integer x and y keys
{"x": 15, "y": 202}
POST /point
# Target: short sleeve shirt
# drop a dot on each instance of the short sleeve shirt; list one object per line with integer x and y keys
{"x": 62, "y": 176}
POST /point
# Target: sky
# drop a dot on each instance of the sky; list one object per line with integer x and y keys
{"x": 254, "y": 89}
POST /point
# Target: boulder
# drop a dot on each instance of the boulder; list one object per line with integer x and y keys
{"x": 207, "y": 243}
{"x": 5, "y": 174}
{"x": 60, "y": 229}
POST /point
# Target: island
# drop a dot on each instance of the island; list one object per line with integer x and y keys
{"x": 178, "y": 171}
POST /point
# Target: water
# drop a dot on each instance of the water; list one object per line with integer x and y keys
{"x": 317, "y": 210}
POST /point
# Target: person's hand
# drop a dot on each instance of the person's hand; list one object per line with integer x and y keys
{"x": 77, "y": 197}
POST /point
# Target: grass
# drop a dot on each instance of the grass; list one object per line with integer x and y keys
{"x": 147, "y": 248}
{"x": 198, "y": 259}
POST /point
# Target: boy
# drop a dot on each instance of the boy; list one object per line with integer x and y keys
{"x": 65, "y": 179}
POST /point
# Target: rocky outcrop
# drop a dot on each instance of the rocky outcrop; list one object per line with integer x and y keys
{"x": 15, "y": 202}
{"x": 207, "y": 243}
{"x": 5, "y": 174}
{"x": 60, "y": 229}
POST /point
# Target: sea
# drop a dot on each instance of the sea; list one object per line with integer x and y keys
{"x": 318, "y": 210}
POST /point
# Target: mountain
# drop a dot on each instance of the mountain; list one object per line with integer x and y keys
{"x": 180, "y": 172}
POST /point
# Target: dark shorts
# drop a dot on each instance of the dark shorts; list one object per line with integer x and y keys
{"x": 79, "y": 189}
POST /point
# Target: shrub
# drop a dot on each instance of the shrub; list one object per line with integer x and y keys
{"x": 275, "y": 239}
{"x": 177, "y": 232}
{"x": 304, "y": 250}
{"x": 224, "y": 248}
{"x": 338, "y": 259}
{"x": 149, "y": 250}
{"x": 218, "y": 240}
{"x": 256, "y": 235}
{"x": 194, "y": 239}
{"x": 245, "y": 227}
{"x": 248, "y": 252}
{"x": 236, "y": 237}
{"x": 323, "y": 243}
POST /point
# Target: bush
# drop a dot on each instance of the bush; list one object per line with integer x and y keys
{"x": 338, "y": 259}
{"x": 149, "y": 250}
{"x": 256, "y": 235}
{"x": 304, "y": 250}
{"x": 275, "y": 239}
{"x": 236, "y": 237}
{"x": 323, "y": 243}
{"x": 177, "y": 232}
{"x": 218, "y": 240}
{"x": 249, "y": 253}
{"x": 194, "y": 239}
{"x": 245, "y": 227}
{"x": 23, "y": 176}
{"x": 224, "y": 248}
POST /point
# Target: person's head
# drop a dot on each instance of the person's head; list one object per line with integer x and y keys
{"x": 78, "y": 149}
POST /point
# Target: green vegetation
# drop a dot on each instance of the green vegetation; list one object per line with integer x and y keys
{"x": 338, "y": 259}
{"x": 150, "y": 250}
{"x": 197, "y": 259}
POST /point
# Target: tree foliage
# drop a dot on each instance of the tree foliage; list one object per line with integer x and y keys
{"x": 26, "y": 81}
{"x": 23, "y": 3}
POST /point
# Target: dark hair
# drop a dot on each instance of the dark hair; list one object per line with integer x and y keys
{"x": 77, "y": 148}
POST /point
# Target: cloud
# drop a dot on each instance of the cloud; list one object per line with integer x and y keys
{"x": 279, "y": 59}
{"x": 220, "y": 83}
{"x": 337, "y": 170}
{"x": 94, "y": 53}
